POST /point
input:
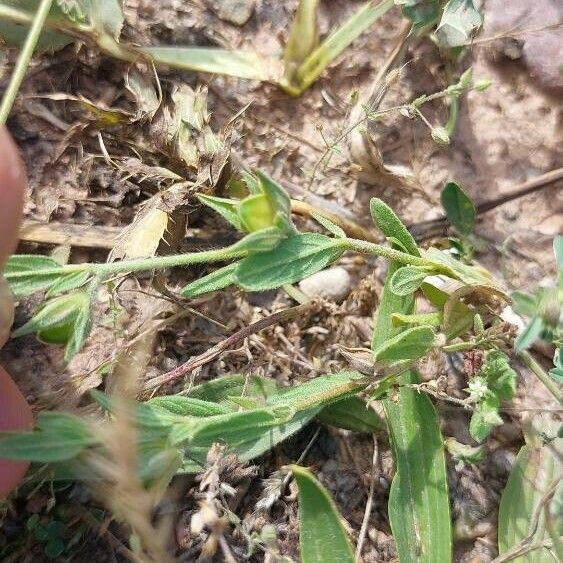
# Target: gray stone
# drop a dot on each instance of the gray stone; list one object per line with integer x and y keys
{"x": 332, "y": 284}
{"x": 237, "y": 12}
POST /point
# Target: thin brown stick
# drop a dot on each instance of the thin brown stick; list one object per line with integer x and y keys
{"x": 435, "y": 227}
{"x": 351, "y": 228}
{"x": 229, "y": 342}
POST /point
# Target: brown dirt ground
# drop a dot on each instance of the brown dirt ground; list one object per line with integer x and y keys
{"x": 505, "y": 136}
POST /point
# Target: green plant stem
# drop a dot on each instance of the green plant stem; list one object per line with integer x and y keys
{"x": 459, "y": 347}
{"x": 531, "y": 363}
{"x": 365, "y": 247}
{"x": 232, "y": 253}
{"x": 24, "y": 59}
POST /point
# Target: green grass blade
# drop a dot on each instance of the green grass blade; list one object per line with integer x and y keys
{"x": 322, "y": 538}
{"x": 419, "y": 509}
{"x": 331, "y": 47}
{"x": 537, "y": 466}
{"x": 303, "y": 38}
{"x": 242, "y": 64}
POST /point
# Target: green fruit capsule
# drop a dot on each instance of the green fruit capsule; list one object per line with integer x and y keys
{"x": 256, "y": 213}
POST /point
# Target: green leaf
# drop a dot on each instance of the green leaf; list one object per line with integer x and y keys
{"x": 460, "y": 20}
{"x": 319, "y": 391}
{"x": 232, "y": 428}
{"x": 352, "y": 414}
{"x": 221, "y": 389}
{"x": 459, "y": 208}
{"x": 391, "y": 226}
{"x": 501, "y": 378}
{"x": 303, "y": 38}
{"x": 14, "y": 34}
{"x": 419, "y": 509}
{"x": 463, "y": 453}
{"x": 408, "y": 279}
{"x": 529, "y": 335}
{"x": 422, "y": 13}
{"x": 81, "y": 328}
{"x": 485, "y": 417}
{"x": 335, "y": 43}
{"x": 328, "y": 225}
{"x": 279, "y": 201}
{"x": 264, "y": 240}
{"x": 410, "y": 344}
{"x": 431, "y": 319}
{"x": 242, "y": 64}
{"x": 59, "y": 437}
{"x": 250, "y": 433}
{"x": 297, "y": 257}
{"x": 219, "y": 279}
{"x": 27, "y": 274}
{"x": 68, "y": 282}
{"x": 471, "y": 275}
{"x": 322, "y": 537}
{"x": 107, "y": 17}
{"x": 187, "y": 406}
{"x": 227, "y": 208}
{"x": 537, "y": 466}
{"x": 59, "y": 312}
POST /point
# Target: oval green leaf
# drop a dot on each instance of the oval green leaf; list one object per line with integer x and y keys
{"x": 293, "y": 259}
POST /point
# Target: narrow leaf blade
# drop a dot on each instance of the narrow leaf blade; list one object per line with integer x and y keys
{"x": 321, "y": 534}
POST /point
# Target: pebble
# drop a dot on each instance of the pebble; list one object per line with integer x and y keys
{"x": 332, "y": 284}
{"x": 237, "y": 12}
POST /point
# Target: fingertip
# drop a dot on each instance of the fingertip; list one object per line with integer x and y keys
{"x": 15, "y": 415}
{"x": 12, "y": 187}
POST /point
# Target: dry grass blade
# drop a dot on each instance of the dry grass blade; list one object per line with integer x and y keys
{"x": 242, "y": 64}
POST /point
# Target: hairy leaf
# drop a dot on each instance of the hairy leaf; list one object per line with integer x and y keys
{"x": 408, "y": 279}
{"x": 410, "y": 344}
{"x": 322, "y": 537}
{"x": 219, "y": 279}
{"x": 391, "y": 226}
{"x": 27, "y": 274}
{"x": 220, "y": 390}
{"x": 297, "y": 257}
{"x": 58, "y": 437}
{"x": 227, "y": 208}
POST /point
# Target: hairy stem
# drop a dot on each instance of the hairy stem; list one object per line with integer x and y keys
{"x": 24, "y": 59}
{"x": 365, "y": 247}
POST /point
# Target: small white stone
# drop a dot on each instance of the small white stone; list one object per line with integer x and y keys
{"x": 332, "y": 284}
